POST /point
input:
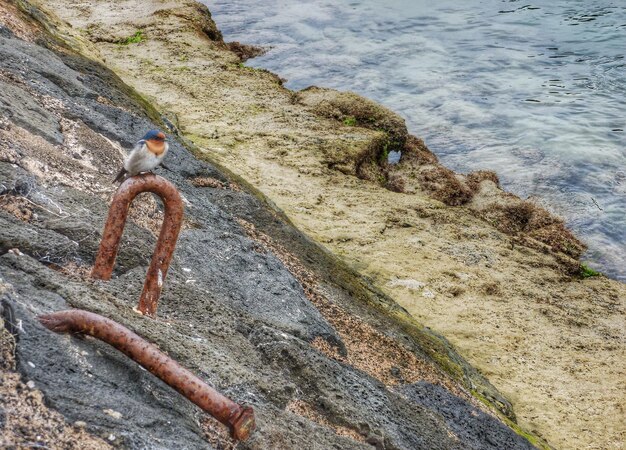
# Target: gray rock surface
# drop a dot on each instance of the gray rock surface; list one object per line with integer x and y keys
{"x": 23, "y": 110}
{"x": 229, "y": 312}
{"x": 471, "y": 425}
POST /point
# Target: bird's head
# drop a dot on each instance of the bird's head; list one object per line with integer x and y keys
{"x": 155, "y": 135}
{"x": 156, "y": 141}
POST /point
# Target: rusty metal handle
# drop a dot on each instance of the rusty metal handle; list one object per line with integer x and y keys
{"x": 112, "y": 235}
{"x": 239, "y": 419}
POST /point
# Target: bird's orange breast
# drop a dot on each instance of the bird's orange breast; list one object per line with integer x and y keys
{"x": 156, "y": 147}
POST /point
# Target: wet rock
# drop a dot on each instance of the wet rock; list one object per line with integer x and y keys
{"x": 354, "y": 110}
{"x": 363, "y": 158}
{"x": 231, "y": 313}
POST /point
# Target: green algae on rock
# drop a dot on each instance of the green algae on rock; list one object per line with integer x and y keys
{"x": 231, "y": 311}
{"x": 506, "y": 301}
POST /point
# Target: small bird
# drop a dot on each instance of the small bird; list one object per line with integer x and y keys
{"x": 147, "y": 154}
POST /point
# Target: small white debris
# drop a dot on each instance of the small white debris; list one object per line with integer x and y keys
{"x": 31, "y": 364}
{"x": 186, "y": 269}
{"x": 16, "y": 252}
{"x": 115, "y": 414}
{"x": 185, "y": 201}
{"x": 428, "y": 294}
{"x": 160, "y": 279}
{"x": 84, "y": 353}
{"x": 190, "y": 281}
{"x": 407, "y": 283}
{"x": 80, "y": 424}
{"x": 111, "y": 437}
{"x": 31, "y": 384}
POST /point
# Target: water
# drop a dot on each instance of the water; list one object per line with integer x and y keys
{"x": 536, "y": 92}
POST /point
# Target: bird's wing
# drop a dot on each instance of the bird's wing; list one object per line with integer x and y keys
{"x": 120, "y": 175}
{"x": 135, "y": 158}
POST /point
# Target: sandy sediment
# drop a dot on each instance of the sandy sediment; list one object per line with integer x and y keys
{"x": 496, "y": 275}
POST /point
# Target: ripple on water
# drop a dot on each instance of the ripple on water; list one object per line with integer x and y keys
{"x": 536, "y": 92}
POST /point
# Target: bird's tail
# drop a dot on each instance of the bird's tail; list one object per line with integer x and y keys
{"x": 120, "y": 176}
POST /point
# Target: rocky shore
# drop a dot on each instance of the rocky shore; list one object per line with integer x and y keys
{"x": 298, "y": 242}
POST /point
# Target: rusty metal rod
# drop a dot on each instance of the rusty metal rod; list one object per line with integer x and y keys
{"x": 112, "y": 235}
{"x": 239, "y": 419}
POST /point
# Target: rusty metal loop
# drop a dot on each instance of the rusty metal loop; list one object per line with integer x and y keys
{"x": 112, "y": 235}
{"x": 239, "y": 419}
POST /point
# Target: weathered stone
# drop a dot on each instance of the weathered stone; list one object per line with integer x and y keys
{"x": 231, "y": 311}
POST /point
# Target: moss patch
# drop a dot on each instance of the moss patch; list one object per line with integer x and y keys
{"x": 245, "y": 52}
{"x": 474, "y": 179}
{"x": 521, "y": 216}
{"x": 442, "y": 184}
{"x": 352, "y": 109}
{"x": 350, "y": 121}
{"x": 136, "y": 38}
{"x": 588, "y": 272}
{"x": 533, "y": 439}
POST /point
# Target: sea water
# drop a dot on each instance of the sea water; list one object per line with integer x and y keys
{"x": 535, "y": 91}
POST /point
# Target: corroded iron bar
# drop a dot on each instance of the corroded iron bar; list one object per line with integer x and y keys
{"x": 239, "y": 419}
{"x": 112, "y": 235}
